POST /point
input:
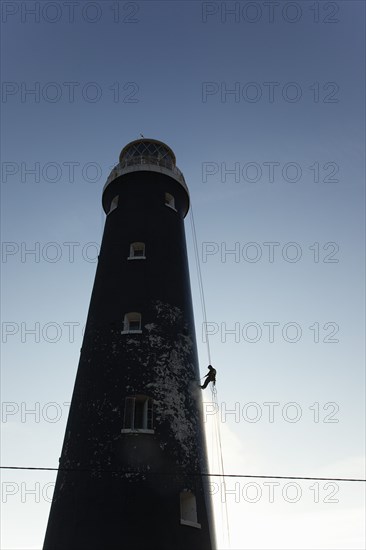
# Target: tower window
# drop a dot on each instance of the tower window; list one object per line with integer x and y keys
{"x": 138, "y": 414}
{"x": 137, "y": 251}
{"x": 188, "y": 509}
{"x": 132, "y": 323}
{"x": 170, "y": 201}
{"x": 114, "y": 204}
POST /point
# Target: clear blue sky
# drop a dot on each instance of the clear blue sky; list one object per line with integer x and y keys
{"x": 264, "y": 109}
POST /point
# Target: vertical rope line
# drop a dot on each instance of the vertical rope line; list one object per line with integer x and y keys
{"x": 225, "y": 517}
{"x": 221, "y": 466}
{"x": 200, "y": 284}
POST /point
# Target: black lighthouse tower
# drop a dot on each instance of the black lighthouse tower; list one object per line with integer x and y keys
{"x": 133, "y": 456}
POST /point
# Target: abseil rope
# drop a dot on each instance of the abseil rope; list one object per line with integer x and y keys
{"x": 215, "y": 434}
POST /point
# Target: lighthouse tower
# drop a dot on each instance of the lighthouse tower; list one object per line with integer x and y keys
{"x": 133, "y": 456}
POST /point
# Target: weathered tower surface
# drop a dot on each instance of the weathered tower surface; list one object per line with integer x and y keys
{"x": 134, "y": 454}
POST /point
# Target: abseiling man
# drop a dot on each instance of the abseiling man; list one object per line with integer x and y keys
{"x": 210, "y": 377}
